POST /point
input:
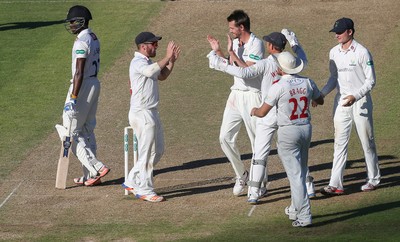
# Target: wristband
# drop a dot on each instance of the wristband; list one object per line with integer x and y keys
{"x": 73, "y": 96}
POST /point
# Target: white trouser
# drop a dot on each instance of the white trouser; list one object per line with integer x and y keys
{"x": 361, "y": 113}
{"x": 237, "y": 111}
{"x": 150, "y": 136}
{"x": 83, "y": 125}
{"x": 265, "y": 131}
{"x": 293, "y": 144}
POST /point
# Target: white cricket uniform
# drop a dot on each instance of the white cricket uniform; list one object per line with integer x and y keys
{"x": 245, "y": 94}
{"x": 266, "y": 126}
{"x": 292, "y": 96}
{"x": 86, "y": 46}
{"x": 145, "y": 120}
{"x": 352, "y": 73}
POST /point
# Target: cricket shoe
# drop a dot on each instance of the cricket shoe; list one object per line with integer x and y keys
{"x": 103, "y": 171}
{"x": 329, "y": 190}
{"x": 93, "y": 181}
{"x": 129, "y": 189}
{"x": 252, "y": 200}
{"x": 80, "y": 181}
{"x": 150, "y": 198}
{"x": 240, "y": 184}
{"x": 297, "y": 223}
{"x": 367, "y": 187}
{"x": 291, "y": 214}
{"x": 263, "y": 192}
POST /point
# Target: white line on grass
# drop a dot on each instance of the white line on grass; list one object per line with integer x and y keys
{"x": 251, "y": 210}
{"x": 5, "y": 200}
{"x": 254, "y": 206}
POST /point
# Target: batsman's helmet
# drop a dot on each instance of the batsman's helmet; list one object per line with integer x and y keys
{"x": 77, "y": 17}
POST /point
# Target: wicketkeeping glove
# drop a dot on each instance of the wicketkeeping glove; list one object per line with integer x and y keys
{"x": 290, "y": 36}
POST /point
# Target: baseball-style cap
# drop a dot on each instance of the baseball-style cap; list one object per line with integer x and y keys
{"x": 342, "y": 25}
{"x": 277, "y": 39}
{"x": 146, "y": 37}
{"x": 288, "y": 62}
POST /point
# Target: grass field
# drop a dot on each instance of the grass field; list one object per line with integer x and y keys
{"x": 193, "y": 175}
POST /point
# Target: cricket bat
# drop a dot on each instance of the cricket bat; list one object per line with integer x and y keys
{"x": 63, "y": 163}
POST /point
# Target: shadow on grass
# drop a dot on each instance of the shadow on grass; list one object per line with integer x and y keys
{"x": 350, "y": 214}
{"x": 221, "y": 160}
{"x": 28, "y": 25}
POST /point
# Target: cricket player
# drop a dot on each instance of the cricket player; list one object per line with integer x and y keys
{"x": 244, "y": 50}
{"x": 267, "y": 126}
{"x": 292, "y": 96}
{"x": 144, "y": 75}
{"x": 352, "y": 73}
{"x": 79, "y": 116}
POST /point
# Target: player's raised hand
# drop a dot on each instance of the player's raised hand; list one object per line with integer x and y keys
{"x": 214, "y": 43}
{"x": 170, "y": 49}
{"x": 177, "y": 52}
{"x": 230, "y": 43}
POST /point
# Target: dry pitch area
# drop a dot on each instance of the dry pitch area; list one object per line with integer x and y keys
{"x": 194, "y": 175}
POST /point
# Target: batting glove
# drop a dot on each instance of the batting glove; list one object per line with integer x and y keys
{"x": 70, "y": 107}
{"x": 290, "y": 36}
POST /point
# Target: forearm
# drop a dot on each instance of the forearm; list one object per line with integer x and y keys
{"x": 166, "y": 71}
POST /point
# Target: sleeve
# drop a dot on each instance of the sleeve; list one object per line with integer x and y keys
{"x": 273, "y": 94}
{"x": 333, "y": 79}
{"x": 300, "y": 53}
{"x": 248, "y": 72}
{"x": 81, "y": 49}
{"x": 150, "y": 70}
{"x": 315, "y": 91}
{"x": 367, "y": 65}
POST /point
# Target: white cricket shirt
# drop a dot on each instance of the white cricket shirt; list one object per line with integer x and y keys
{"x": 87, "y": 46}
{"x": 252, "y": 51}
{"x": 292, "y": 96}
{"x": 352, "y": 71}
{"x": 145, "y": 92}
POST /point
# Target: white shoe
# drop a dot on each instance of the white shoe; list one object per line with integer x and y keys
{"x": 297, "y": 223}
{"x": 292, "y": 214}
{"x": 263, "y": 192}
{"x": 240, "y": 184}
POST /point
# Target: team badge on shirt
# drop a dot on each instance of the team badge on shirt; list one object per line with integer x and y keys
{"x": 254, "y": 57}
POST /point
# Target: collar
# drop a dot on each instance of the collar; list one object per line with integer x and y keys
{"x": 352, "y": 47}
{"x": 140, "y": 55}
{"x": 85, "y": 31}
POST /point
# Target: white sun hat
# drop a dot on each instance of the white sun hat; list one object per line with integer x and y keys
{"x": 288, "y": 63}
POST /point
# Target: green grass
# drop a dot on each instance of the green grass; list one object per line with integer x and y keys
{"x": 35, "y": 65}
{"x": 35, "y": 69}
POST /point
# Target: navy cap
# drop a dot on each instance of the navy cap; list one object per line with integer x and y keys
{"x": 144, "y": 37}
{"x": 277, "y": 39}
{"x": 342, "y": 25}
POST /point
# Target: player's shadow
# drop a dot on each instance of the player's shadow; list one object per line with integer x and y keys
{"x": 353, "y": 213}
{"x": 221, "y": 160}
{"x": 28, "y": 25}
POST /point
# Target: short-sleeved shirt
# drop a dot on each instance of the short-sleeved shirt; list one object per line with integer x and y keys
{"x": 87, "y": 46}
{"x": 145, "y": 92}
{"x": 292, "y": 95}
{"x": 252, "y": 51}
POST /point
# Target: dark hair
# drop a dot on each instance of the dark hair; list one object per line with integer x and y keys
{"x": 240, "y": 18}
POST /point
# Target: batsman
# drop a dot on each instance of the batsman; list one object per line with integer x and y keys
{"x": 79, "y": 115}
